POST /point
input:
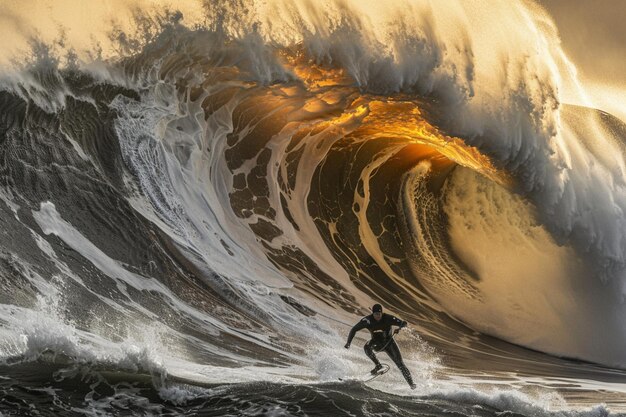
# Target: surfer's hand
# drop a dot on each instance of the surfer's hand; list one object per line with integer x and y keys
{"x": 347, "y": 346}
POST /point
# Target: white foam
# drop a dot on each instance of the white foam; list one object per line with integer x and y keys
{"x": 51, "y": 222}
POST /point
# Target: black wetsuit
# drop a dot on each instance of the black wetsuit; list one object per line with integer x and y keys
{"x": 382, "y": 340}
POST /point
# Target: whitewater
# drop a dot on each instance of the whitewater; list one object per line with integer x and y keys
{"x": 198, "y": 202}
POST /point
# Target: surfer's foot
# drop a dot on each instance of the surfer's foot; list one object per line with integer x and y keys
{"x": 377, "y": 369}
{"x": 413, "y": 386}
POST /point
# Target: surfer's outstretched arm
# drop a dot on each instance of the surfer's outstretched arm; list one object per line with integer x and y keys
{"x": 360, "y": 325}
{"x": 397, "y": 322}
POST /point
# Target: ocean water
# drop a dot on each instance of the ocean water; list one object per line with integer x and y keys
{"x": 192, "y": 225}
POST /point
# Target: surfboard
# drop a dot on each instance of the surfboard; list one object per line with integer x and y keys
{"x": 369, "y": 376}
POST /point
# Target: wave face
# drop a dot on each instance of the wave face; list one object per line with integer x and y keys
{"x": 215, "y": 207}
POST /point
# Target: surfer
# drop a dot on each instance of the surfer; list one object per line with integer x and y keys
{"x": 379, "y": 325}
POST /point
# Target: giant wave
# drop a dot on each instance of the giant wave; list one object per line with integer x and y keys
{"x": 218, "y": 204}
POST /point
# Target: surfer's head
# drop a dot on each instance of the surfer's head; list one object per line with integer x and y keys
{"x": 377, "y": 311}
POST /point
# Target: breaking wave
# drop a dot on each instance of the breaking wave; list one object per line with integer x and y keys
{"x": 219, "y": 204}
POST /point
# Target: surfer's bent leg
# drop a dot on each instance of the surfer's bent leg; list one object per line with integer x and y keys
{"x": 394, "y": 353}
{"x": 369, "y": 351}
